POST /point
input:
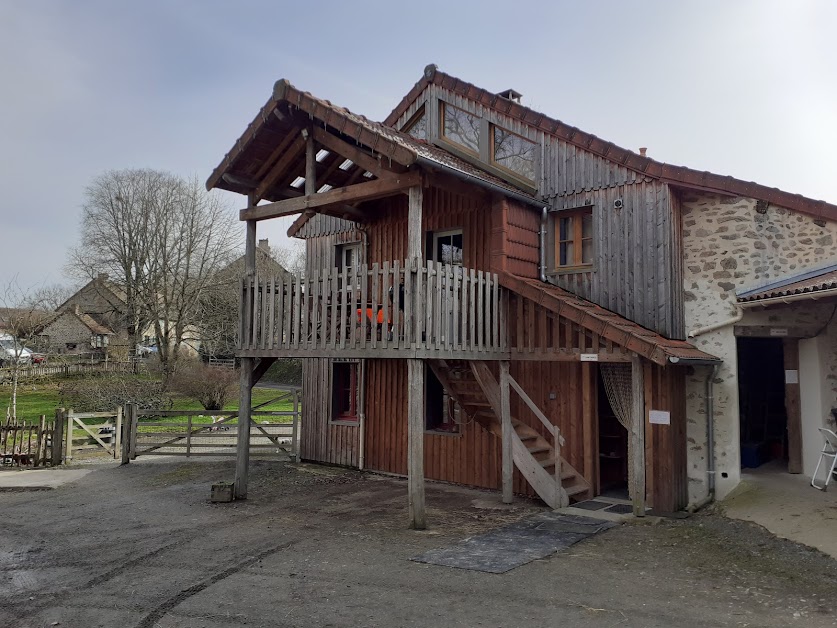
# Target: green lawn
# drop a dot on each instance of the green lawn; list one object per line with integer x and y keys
{"x": 33, "y": 400}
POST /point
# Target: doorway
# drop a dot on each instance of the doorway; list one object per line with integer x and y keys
{"x": 613, "y": 448}
{"x": 763, "y": 417}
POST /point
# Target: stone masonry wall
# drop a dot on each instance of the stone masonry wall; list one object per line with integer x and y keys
{"x": 729, "y": 246}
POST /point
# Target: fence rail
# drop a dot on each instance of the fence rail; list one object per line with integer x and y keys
{"x": 90, "y": 431}
{"x": 47, "y": 370}
{"x": 395, "y": 310}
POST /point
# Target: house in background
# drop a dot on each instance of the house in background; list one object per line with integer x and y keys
{"x": 72, "y": 332}
{"x": 487, "y": 285}
{"x": 103, "y": 300}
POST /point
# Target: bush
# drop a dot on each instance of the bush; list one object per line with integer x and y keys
{"x": 210, "y": 386}
{"x": 287, "y": 371}
{"x": 106, "y": 392}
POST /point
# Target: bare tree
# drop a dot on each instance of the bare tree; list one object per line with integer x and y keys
{"x": 22, "y": 315}
{"x": 162, "y": 238}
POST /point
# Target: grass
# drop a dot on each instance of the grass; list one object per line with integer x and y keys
{"x": 36, "y": 399}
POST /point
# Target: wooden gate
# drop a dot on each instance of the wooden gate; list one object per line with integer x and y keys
{"x": 30, "y": 445}
{"x": 90, "y": 431}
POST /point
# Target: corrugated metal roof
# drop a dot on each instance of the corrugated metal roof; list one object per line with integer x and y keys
{"x": 809, "y": 282}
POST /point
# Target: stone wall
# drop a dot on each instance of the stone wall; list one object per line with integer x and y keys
{"x": 65, "y": 331}
{"x": 727, "y": 246}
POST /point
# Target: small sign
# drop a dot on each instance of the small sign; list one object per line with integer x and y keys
{"x": 589, "y": 357}
{"x": 659, "y": 417}
{"x": 778, "y": 331}
{"x": 792, "y": 377}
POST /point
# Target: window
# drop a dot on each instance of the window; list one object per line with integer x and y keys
{"x": 344, "y": 392}
{"x": 461, "y": 127}
{"x": 417, "y": 126}
{"x": 441, "y": 411}
{"x": 348, "y": 256}
{"x": 514, "y": 153}
{"x": 447, "y": 247}
{"x": 574, "y": 238}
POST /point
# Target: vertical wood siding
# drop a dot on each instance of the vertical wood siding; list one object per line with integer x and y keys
{"x": 321, "y": 440}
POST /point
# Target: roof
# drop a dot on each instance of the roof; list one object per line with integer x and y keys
{"x": 87, "y": 320}
{"x": 675, "y": 175}
{"x": 100, "y": 282}
{"x": 609, "y": 325}
{"x": 810, "y": 282}
{"x": 265, "y": 134}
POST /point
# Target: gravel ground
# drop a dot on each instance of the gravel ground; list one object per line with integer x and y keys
{"x": 141, "y": 546}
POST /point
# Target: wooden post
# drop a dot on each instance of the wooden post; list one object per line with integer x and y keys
{"x": 310, "y": 165}
{"x": 792, "y": 406}
{"x": 242, "y": 461}
{"x": 506, "y": 424}
{"x": 638, "y": 434}
{"x": 57, "y": 440}
{"x": 68, "y": 448}
{"x": 133, "y": 428}
{"x": 415, "y": 443}
{"x": 40, "y": 456}
{"x": 125, "y": 438}
{"x": 117, "y": 435}
{"x": 188, "y": 435}
{"x": 295, "y": 429}
{"x": 415, "y": 379}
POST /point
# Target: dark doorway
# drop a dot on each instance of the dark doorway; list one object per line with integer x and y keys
{"x": 613, "y": 449}
{"x": 761, "y": 401}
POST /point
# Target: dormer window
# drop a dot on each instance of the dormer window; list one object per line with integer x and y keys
{"x": 460, "y": 127}
{"x": 514, "y": 153}
{"x": 417, "y": 126}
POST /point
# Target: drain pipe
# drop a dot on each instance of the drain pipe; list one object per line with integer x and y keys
{"x": 739, "y": 314}
{"x": 362, "y": 416}
{"x": 709, "y": 397}
{"x": 542, "y": 245}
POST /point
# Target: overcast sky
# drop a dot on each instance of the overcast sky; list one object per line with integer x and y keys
{"x": 746, "y": 88}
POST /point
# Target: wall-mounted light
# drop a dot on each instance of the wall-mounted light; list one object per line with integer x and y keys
{"x": 761, "y": 206}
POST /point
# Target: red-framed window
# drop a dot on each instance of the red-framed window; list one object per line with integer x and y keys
{"x": 344, "y": 389}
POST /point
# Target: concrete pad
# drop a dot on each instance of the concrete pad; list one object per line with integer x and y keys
{"x": 39, "y": 479}
{"x": 788, "y": 506}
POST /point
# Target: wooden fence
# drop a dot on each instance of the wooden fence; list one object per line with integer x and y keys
{"x": 388, "y": 310}
{"x": 49, "y": 370}
{"x": 29, "y": 445}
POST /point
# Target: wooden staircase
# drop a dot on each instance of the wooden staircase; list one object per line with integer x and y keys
{"x": 477, "y": 392}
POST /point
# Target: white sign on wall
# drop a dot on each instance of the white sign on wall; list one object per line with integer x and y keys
{"x": 589, "y": 357}
{"x": 792, "y": 377}
{"x": 659, "y": 417}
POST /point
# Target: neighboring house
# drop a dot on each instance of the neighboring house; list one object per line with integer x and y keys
{"x": 103, "y": 300}
{"x": 468, "y": 235}
{"x": 73, "y": 332}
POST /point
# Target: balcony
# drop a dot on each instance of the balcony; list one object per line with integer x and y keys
{"x": 389, "y": 310}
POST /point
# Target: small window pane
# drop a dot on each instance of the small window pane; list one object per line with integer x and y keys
{"x": 566, "y": 228}
{"x": 515, "y": 153}
{"x": 586, "y": 251}
{"x": 418, "y": 128}
{"x": 587, "y": 226}
{"x": 567, "y": 254}
{"x": 461, "y": 127}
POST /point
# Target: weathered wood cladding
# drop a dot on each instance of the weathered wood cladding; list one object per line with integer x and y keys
{"x": 323, "y": 225}
{"x": 320, "y": 439}
{"x": 636, "y": 269}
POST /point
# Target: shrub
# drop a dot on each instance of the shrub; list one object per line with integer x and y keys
{"x": 287, "y": 371}
{"x": 210, "y": 386}
{"x": 106, "y": 392}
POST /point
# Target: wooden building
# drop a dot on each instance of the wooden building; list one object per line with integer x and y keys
{"x": 471, "y": 310}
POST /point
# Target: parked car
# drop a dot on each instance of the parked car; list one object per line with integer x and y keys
{"x": 39, "y": 358}
{"x": 12, "y": 351}
{"x": 144, "y": 350}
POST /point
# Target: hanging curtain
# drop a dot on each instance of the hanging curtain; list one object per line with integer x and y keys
{"x": 618, "y": 386}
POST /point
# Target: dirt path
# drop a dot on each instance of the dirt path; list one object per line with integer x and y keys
{"x": 314, "y": 546}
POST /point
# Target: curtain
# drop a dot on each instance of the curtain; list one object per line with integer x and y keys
{"x": 617, "y": 381}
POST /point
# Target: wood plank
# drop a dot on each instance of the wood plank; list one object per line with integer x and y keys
{"x": 279, "y": 169}
{"x": 506, "y": 428}
{"x": 415, "y": 437}
{"x": 638, "y": 435}
{"x": 359, "y": 192}
{"x": 359, "y": 157}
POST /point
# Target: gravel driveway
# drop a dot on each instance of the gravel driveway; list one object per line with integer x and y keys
{"x": 141, "y": 546}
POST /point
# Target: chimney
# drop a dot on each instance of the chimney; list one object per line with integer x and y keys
{"x": 264, "y": 245}
{"x": 102, "y": 276}
{"x": 511, "y": 94}
{"x": 642, "y": 151}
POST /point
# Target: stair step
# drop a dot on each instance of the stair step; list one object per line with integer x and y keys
{"x": 539, "y": 450}
{"x": 575, "y": 490}
{"x": 528, "y": 437}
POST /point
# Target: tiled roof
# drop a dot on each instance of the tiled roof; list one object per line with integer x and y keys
{"x": 93, "y": 326}
{"x": 810, "y": 282}
{"x": 607, "y": 324}
{"x": 386, "y": 141}
{"x": 675, "y": 175}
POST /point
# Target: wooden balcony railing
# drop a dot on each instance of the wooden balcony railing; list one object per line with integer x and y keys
{"x": 387, "y": 310}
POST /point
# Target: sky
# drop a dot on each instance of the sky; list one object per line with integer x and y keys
{"x": 746, "y": 88}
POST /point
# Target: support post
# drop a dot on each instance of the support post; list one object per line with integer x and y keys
{"x": 295, "y": 430}
{"x": 133, "y": 425}
{"x": 506, "y": 425}
{"x": 57, "y": 441}
{"x": 242, "y": 461}
{"x": 415, "y": 379}
{"x": 126, "y": 435}
{"x": 68, "y": 447}
{"x": 117, "y": 435}
{"x": 415, "y": 443}
{"x": 638, "y": 434}
{"x": 310, "y": 165}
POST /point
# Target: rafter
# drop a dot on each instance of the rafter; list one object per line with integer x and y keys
{"x": 358, "y": 156}
{"x": 293, "y": 151}
{"x": 339, "y": 197}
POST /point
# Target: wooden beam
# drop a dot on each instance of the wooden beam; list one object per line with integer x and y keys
{"x": 590, "y": 423}
{"x": 310, "y": 166}
{"x": 277, "y": 152}
{"x": 506, "y": 427}
{"x": 415, "y": 443}
{"x": 261, "y": 368}
{"x": 358, "y": 156}
{"x": 355, "y": 193}
{"x": 342, "y": 210}
{"x": 280, "y": 167}
{"x": 638, "y": 435}
{"x": 415, "y": 234}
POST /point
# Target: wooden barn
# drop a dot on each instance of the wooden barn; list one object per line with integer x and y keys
{"x": 483, "y": 303}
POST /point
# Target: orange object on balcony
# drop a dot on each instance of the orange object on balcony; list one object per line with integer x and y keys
{"x": 370, "y": 314}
